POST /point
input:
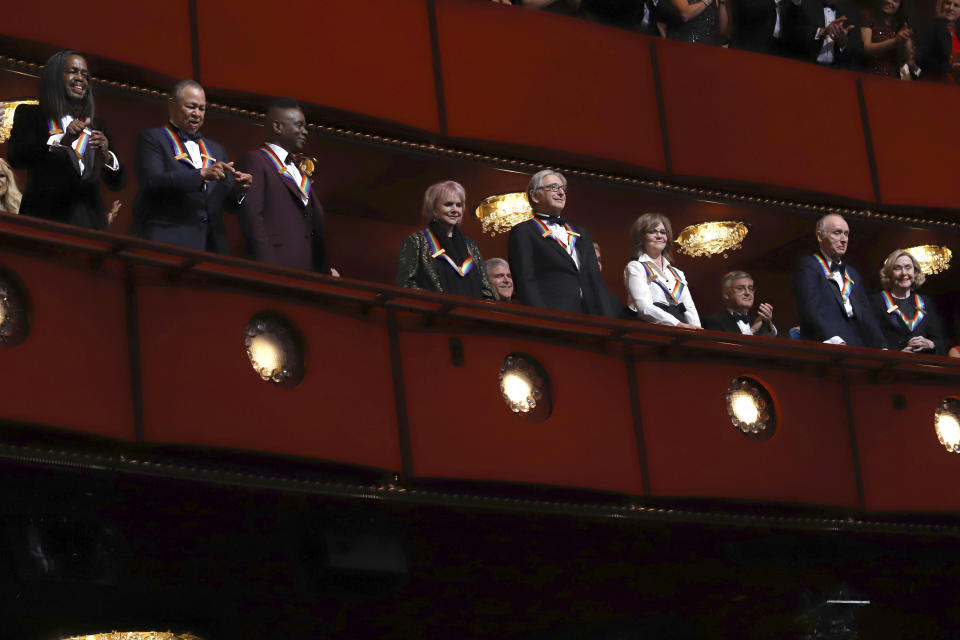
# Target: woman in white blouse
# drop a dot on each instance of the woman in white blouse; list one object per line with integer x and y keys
{"x": 657, "y": 291}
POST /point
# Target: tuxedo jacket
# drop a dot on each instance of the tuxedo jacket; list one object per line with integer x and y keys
{"x": 820, "y": 307}
{"x": 752, "y": 23}
{"x": 724, "y": 321}
{"x": 278, "y": 228}
{"x": 174, "y": 204}
{"x": 55, "y": 188}
{"x": 546, "y": 276}
{"x": 897, "y": 333}
{"x": 934, "y": 48}
{"x": 799, "y": 25}
{"x": 417, "y": 268}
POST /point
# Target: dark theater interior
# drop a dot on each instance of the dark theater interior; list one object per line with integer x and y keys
{"x": 379, "y": 480}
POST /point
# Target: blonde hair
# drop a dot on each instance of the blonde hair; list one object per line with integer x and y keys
{"x": 437, "y": 192}
{"x": 886, "y": 271}
{"x": 638, "y": 234}
{"x": 10, "y": 202}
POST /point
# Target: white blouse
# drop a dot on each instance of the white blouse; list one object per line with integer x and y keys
{"x": 644, "y": 290}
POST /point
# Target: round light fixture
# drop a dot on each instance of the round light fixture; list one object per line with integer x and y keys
{"x": 947, "y": 424}
{"x": 137, "y": 635}
{"x": 275, "y": 349}
{"x": 751, "y": 409}
{"x": 712, "y": 238}
{"x": 498, "y": 214}
{"x": 525, "y": 387}
{"x": 14, "y": 316}
{"x": 932, "y": 258}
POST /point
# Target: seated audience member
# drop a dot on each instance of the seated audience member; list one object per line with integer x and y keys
{"x": 755, "y": 25}
{"x": 831, "y": 299}
{"x": 703, "y": 21}
{"x": 185, "y": 179}
{"x": 553, "y": 262}
{"x": 823, "y": 33}
{"x": 281, "y": 217}
{"x": 907, "y": 319}
{"x": 937, "y": 57}
{"x": 9, "y": 193}
{"x": 656, "y": 290}
{"x": 65, "y": 149}
{"x": 498, "y": 273}
{"x": 737, "y": 290}
{"x": 439, "y": 257}
{"x": 887, "y": 38}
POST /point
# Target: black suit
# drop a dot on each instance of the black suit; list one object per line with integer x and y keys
{"x": 897, "y": 333}
{"x": 934, "y": 49}
{"x": 724, "y": 321}
{"x": 173, "y": 205}
{"x": 821, "y": 309}
{"x": 546, "y": 276}
{"x": 753, "y": 22}
{"x": 799, "y": 28}
{"x": 55, "y": 188}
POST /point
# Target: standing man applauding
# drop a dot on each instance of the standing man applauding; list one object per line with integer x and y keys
{"x": 281, "y": 218}
{"x": 185, "y": 179}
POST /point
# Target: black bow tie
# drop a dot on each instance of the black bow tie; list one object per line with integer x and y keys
{"x": 291, "y": 159}
{"x": 839, "y": 267}
{"x": 741, "y": 317}
{"x": 189, "y": 137}
{"x": 551, "y": 219}
{"x": 831, "y": 6}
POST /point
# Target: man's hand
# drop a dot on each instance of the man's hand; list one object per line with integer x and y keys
{"x": 334, "y": 272}
{"x": 243, "y": 181}
{"x": 217, "y": 171}
{"x": 74, "y": 129}
{"x": 114, "y": 212}
{"x": 837, "y": 31}
{"x": 764, "y": 317}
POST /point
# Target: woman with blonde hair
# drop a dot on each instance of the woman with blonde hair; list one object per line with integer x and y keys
{"x": 10, "y": 195}
{"x": 656, "y": 290}
{"x": 907, "y": 319}
{"x": 439, "y": 257}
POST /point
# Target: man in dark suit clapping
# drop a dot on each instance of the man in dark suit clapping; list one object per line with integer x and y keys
{"x": 831, "y": 299}
{"x": 185, "y": 179}
{"x": 281, "y": 218}
{"x": 738, "y": 293}
{"x": 553, "y": 261}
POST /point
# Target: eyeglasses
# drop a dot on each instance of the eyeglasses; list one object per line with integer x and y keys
{"x": 742, "y": 288}
{"x": 657, "y": 232}
{"x": 554, "y": 188}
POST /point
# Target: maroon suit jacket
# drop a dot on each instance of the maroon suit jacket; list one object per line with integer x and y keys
{"x": 278, "y": 228}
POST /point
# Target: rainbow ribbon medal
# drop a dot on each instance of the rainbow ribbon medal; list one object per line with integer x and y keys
{"x": 917, "y": 316}
{"x": 436, "y": 251}
{"x": 179, "y": 153}
{"x": 678, "y": 285}
{"x": 847, "y": 280}
{"x": 79, "y": 145}
{"x": 571, "y": 235}
{"x": 303, "y": 185}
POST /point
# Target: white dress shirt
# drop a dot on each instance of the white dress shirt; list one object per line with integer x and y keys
{"x": 642, "y": 293}
{"x": 561, "y": 232}
{"x": 110, "y": 161}
{"x": 291, "y": 166}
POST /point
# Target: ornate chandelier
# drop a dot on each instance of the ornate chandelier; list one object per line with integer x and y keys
{"x": 712, "y": 238}
{"x": 932, "y": 258}
{"x": 498, "y": 214}
{"x": 7, "y": 110}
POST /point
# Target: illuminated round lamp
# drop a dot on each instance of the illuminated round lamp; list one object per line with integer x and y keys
{"x": 947, "y": 424}
{"x": 14, "y": 312}
{"x": 275, "y": 349}
{"x": 499, "y": 214}
{"x": 525, "y": 387}
{"x": 751, "y": 409}
{"x": 932, "y": 258}
{"x": 137, "y": 635}
{"x": 712, "y": 238}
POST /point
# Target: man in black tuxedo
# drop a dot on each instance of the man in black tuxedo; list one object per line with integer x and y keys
{"x": 185, "y": 179}
{"x": 738, "y": 294}
{"x": 831, "y": 299}
{"x": 823, "y": 31}
{"x": 553, "y": 262}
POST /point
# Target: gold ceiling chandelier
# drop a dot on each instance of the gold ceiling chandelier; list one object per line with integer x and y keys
{"x": 7, "y": 110}
{"x": 932, "y": 258}
{"x": 712, "y": 238}
{"x": 137, "y": 635}
{"x": 498, "y": 214}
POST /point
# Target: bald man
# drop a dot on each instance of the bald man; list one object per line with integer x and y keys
{"x": 831, "y": 298}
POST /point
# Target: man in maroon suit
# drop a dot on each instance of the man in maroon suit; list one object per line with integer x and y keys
{"x": 281, "y": 217}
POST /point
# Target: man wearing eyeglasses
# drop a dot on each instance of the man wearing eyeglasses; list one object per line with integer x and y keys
{"x": 553, "y": 262}
{"x": 739, "y": 294}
